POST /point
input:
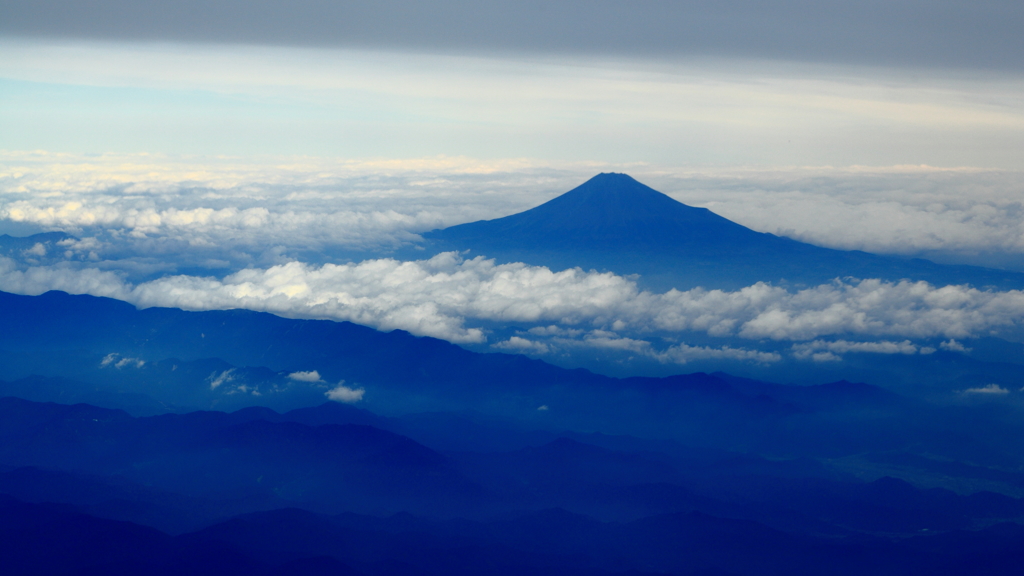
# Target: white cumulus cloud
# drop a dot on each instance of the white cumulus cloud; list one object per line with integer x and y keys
{"x": 683, "y": 353}
{"x": 821, "y": 350}
{"x": 561, "y": 339}
{"x": 953, "y": 346}
{"x": 989, "y": 390}
{"x": 446, "y": 295}
{"x": 522, "y": 345}
{"x": 310, "y": 376}
{"x": 342, "y": 393}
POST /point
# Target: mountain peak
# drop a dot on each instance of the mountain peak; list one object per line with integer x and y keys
{"x": 618, "y": 195}
{"x": 623, "y": 182}
{"x": 610, "y": 210}
{"x": 612, "y": 222}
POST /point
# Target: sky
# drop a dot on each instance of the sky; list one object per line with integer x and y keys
{"x": 674, "y": 83}
{"x": 270, "y": 154}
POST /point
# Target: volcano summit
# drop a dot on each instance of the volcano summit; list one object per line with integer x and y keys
{"x": 614, "y": 223}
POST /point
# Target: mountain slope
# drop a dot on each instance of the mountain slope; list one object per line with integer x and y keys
{"x": 614, "y": 223}
{"x": 610, "y": 212}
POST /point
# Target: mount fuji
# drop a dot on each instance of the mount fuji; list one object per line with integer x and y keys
{"x": 614, "y": 223}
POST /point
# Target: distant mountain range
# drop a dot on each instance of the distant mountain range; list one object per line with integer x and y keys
{"x": 59, "y": 347}
{"x": 614, "y": 223}
{"x": 162, "y": 359}
{"x": 85, "y": 490}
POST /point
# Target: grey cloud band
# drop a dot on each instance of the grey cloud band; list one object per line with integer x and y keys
{"x": 904, "y": 33}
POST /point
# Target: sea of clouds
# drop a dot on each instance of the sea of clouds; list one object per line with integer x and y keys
{"x": 445, "y": 295}
{"x": 243, "y": 209}
{"x": 312, "y": 238}
{"x": 156, "y": 214}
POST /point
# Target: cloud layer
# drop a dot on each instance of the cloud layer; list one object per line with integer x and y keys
{"x": 954, "y": 215}
{"x": 152, "y": 214}
{"x": 899, "y": 32}
{"x": 454, "y": 298}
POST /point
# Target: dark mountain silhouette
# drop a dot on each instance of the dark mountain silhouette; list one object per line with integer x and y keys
{"x": 12, "y": 244}
{"x": 614, "y": 223}
{"x": 256, "y": 484}
{"x": 59, "y": 540}
{"x": 115, "y": 498}
{"x": 60, "y": 335}
{"x": 43, "y": 248}
{"x": 403, "y": 372}
{"x": 612, "y": 212}
{"x": 214, "y": 455}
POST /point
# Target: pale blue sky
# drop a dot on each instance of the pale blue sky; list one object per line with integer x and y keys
{"x": 736, "y": 82}
{"x": 88, "y": 97}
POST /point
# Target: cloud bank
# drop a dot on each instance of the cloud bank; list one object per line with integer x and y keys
{"x": 567, "y": 339}
{"x": 453, "y": 298}
{"x": 823, "y": 351}
{"x": 899, "y": 32}
{"x": 147, "y": 215}
{"x": 152, "y": 214}
{"x": 953, "y": 215}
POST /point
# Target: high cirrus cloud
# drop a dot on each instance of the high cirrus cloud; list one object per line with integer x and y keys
{"x": 452, "y": 298}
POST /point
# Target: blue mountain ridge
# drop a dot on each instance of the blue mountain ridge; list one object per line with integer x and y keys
{"x": 614, "y": 223}
{"x": 57, "y": 335}
{"x": 455, "y": 470}
{"x": 182, "y": 470}
{"x": 62, "y": 336}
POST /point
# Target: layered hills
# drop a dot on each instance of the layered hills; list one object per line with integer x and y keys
{"x": 86, "y": 490}
{"x": 614, "y": 223}
{"x": 59, "y": 347}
